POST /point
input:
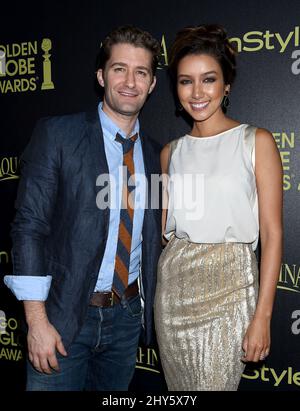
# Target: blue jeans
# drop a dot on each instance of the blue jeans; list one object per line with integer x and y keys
{"x": 103, "y": 355}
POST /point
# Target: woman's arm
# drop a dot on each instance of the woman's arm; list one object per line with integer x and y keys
{"x": 268, "y": 171}
{"x": 164, "y": 161}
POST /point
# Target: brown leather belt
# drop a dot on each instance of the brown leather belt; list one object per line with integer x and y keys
{"x": 109, "y": 298}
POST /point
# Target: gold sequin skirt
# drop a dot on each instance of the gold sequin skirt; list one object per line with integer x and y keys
{"x": 205, "y": 298}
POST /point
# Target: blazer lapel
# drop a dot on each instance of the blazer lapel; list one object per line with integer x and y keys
{"x": 98, "y": 156}
{"x": 97, "y": 151}
{"x": 149, "y": 215}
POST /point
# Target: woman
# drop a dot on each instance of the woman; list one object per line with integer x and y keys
{"x": 210, "y": 317}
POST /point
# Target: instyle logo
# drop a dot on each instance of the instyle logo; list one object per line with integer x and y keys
{"x": 163, "y": 60}
{"x": 256, "y": 40}
{"x": 147, "y": 360}
{"x": 275, "y": 377}
{"x": 289, "y": 278}
{"x": 252, "y": 41}
{"x": 25, "y": 66}
{"x": 9, "y": 168}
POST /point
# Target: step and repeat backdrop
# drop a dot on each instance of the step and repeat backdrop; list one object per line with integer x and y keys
{"x": 47, "y": 67}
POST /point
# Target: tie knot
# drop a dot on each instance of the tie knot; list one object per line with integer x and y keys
{"x": 127, "y": 143}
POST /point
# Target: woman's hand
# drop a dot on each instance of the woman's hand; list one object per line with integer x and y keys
{"x": 256, "y": 343}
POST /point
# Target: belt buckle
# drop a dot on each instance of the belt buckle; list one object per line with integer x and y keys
{"x": 111, "y": 299}
{"x": 109, "y": 295}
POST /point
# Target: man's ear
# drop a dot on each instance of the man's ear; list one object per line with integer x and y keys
{"x": 100, "y": 77}
{"x": 152, "y": 85}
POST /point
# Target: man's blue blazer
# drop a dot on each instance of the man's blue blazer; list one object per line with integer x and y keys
{"x": 58, "y": 229}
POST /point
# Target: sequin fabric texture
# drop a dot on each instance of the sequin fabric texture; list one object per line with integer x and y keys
{"x": 205, "y": 298}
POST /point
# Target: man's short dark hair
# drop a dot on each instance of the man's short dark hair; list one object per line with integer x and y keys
{"x": 129, "y": 35}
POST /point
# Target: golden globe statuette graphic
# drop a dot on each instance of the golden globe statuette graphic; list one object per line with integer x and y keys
{"x": 4, "y": 259}
{"x": 2, "y": 322}
{"x": 2, "y": 63}
{"x": 47, "y": 83}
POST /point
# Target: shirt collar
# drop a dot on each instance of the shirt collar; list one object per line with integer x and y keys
{"x": 110, "y": 129}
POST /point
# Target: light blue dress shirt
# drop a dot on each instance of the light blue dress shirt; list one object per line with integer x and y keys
{"x": 37, "y": 287}
{"x": 114, "y": 155}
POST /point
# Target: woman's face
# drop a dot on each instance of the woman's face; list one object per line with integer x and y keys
{"x": 200, "y": 86}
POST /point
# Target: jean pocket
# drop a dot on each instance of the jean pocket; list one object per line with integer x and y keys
{"x": 134, "y": 306}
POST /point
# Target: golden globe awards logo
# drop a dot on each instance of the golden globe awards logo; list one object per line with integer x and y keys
{"x": 286, "y": 143}
{"x": 10, "y": 346}
{"x": 9, "y": 168}
{"x": 4, "y": 257}
{"x": 25, "y": 67}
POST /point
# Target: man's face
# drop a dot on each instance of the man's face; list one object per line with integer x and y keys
{"x": 127, "y": 79}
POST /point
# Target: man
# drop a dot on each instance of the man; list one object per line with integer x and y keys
{"x": 76, "y": 256}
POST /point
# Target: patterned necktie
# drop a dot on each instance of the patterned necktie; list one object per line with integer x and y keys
{"x": 122, "y": 261}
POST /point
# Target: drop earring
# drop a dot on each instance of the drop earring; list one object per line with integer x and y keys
{"x": 225, "y": 101}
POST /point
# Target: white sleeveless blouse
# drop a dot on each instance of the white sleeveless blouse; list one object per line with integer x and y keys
{"x": 212, "y": 188}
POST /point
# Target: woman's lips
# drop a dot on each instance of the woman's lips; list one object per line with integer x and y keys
{"x": 199, "y": 106}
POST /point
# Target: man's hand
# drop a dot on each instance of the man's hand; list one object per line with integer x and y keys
{"x": 43, "y": 339}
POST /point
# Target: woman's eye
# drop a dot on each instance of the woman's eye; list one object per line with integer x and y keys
{"x": 185, "y": 81}
{"x": 209, "y": 80}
